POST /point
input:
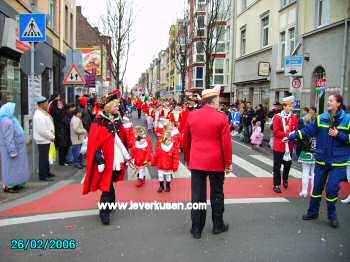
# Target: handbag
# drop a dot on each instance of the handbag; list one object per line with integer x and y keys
{"x": 83, "y": 149}
{"x": 52, "y": 153}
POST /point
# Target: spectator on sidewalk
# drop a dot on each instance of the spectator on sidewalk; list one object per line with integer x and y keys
{"x": 261, "y": 116}
{"x": 44, "y": 135}
{"x": 58, "y": 112}
{"x": 13, "y": 150}
{"x": 77, "y": 134}
{"x": 247, "y": 118}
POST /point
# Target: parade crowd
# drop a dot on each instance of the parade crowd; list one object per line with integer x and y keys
{"x": 101, "y": 132}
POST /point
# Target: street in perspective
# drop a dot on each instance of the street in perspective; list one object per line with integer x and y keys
{"x": 180, "y": 131}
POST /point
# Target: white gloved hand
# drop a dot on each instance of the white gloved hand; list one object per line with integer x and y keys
{"x": 101, "y": 168}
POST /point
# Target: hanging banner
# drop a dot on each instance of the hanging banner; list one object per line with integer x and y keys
{"x": 92, "y": 60}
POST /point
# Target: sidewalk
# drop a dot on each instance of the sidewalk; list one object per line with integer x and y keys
{"x": 35, "y": 185}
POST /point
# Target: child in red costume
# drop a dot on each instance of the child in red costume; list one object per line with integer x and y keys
{"x": 141, "y": 152}
{"x": 129, "y": 132}
{"x": 167, "y": 160}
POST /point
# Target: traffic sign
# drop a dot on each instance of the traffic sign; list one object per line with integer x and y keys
{"x": 74, "y": 77}
{"x": 32, "y": 27}
{"x": 293, "y": 65}
{"x": 296, "y": 83}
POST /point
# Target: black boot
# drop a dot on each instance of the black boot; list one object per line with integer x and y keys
{"x": 104, "y": 216}
{"x": 161, "y": 187}
{"x": 334, "y": 223}
{"x": 285, "y": 184}
{"x": 167, "y": 189}
{"x": 219, "y": 230}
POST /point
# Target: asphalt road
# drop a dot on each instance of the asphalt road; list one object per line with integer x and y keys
{"x": 260, "y": 232}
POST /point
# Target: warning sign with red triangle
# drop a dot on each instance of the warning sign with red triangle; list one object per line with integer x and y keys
{"x": 74, "y": 77}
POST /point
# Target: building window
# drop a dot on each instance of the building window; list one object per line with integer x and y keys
{"x": 71, "y": 30}
{"x": 199, "y": 52}
{"x": 52, "y": 14}
{"x": 66, "y": 24}
{"x": 220, "y": 39}
{"x": 286, "y": 2}
{"x": 264, "y": 31}
{"x": 200, "y": 25}
{"x": 243, "y": 5}
{"x": 198, "y": 76}
{"x": 243, "y": 41}
{"x": 282, "y": 47}
{"x": 322, "y": 12}
{"x": 218, "y": 72}
{"x": 291, "y": 38}
{"x": 201, "y": 5}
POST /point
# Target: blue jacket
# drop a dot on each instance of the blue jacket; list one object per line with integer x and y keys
{"x": 329, "y": 150}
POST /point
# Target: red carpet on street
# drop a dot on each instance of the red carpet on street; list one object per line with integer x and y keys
{"x": 70, "y": 198}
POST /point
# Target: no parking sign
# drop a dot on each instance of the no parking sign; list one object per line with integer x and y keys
{"x": 296, "y": 83}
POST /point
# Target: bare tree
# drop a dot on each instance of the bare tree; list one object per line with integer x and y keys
{"x": 181, "y": 56}
{"x": 218, "y": 13}
{"x": 118, "y": 24}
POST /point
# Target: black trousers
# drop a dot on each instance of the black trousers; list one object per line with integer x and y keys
{"x": 62, "y": 154}
{"x": 44, "y": 165}
{"x": 108, "y": 197}
{"x": 199, "y": 195}
{"x": 277, "y": 162}
{"x": 139, "y": 113}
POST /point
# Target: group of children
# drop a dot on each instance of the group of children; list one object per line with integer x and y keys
{"x": 167, "y": 153}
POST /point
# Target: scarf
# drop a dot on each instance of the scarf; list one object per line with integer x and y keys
{"x": 286, "y": 116}
{"x": 7, "y": 111}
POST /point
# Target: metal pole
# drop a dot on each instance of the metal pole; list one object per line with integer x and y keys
{"x": 32, "y": 73}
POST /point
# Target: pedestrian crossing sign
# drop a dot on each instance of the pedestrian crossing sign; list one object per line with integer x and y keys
{"x": 32, "y": 27}
{"x": 74, "y": 77}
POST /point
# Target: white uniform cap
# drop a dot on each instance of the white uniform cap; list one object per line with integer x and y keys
{"x": 288, "y": 99}
{"x": 211, "y": 92}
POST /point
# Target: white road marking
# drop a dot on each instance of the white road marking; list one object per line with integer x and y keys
{"x": 46, "y": 217}
{"x": 248, "y": 147}
{"x": 256, "y": 200}
{"x": 249, "y": 167}
{"x": 94, "y": 212}
{"x": 293, "y": 172}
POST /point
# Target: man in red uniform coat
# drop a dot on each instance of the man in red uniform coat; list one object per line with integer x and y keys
{"x": 208, "y": 152}
{"x": 283, "y": 124}
{"x": 106, "y": 154}
{"x": 139, "y": 107}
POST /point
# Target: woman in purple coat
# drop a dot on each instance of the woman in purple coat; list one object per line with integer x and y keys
{"x": 13, "y": 150}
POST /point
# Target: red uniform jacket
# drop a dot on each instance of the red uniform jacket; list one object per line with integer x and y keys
{"x": 176, "y": 138}
{"x": 142, "y": 155}
{"x": 139, "y": 104}
{"x": 159, "y": 130}
{"x": 207, "y": 140}
{"x": 130, "y": 136}
{"x": 183, "y": 119}
{"x": 167, "y": 161}
{"x": 279, "y": 134}
{"x": 145, "y": 108}
{"x": 101, "y": 138}
{"x": 174, "y": 117}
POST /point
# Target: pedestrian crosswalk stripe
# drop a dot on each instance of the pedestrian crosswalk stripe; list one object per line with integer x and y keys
{"x": 293, "y": 172}
{"x": 249, "y": 167}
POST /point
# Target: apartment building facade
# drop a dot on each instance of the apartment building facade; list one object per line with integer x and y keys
{"x": 50, "y": 56}
{"x": 268, "y": 31}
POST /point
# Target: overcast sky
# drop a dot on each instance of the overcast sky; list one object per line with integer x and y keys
{"x": 151, "y": 30}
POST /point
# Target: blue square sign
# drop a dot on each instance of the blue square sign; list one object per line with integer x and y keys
{"x": 32, "y": 27}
